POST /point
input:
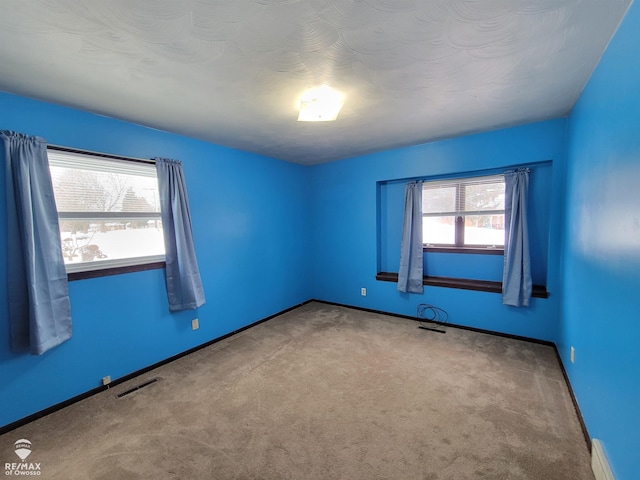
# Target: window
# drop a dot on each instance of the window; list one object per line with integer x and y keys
{"x": 108, "y": 210}
{"x": 464, "y": 213}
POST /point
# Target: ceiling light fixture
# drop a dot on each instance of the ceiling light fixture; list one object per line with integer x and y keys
{"x": 320, "y": 104}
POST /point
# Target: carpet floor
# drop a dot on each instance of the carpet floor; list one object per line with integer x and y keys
{"x": 326, "y": 392}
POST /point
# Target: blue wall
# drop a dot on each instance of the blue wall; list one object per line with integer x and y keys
{"x": 353, "y": 205}
{"x": 601, "y": 302}
{"x": 251, "y": 225}
{"x": 270, "y": 235}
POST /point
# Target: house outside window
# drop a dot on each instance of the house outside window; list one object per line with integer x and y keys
{"x": 464, "y": 213}
{"x": 108, "y": 211}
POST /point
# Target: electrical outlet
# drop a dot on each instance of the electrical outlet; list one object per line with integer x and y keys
{"x": 363, "y": 292}
{"x": 573, "y": 354}
{"x": 106, "y": 380}
{"x": 194, "y": 324}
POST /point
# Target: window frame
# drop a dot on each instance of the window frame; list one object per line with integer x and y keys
{"x": 107, "y": 267}
{"x": 459, "y": 246}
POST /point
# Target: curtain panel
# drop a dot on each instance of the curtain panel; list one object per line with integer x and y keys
{"x": 516, "y": 279}
{"x": 182, "y": 276}
{"x": 411, "y": 267}
{"x": 38, "y": 296}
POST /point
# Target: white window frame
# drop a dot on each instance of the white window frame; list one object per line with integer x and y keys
{"x": 459, "y": 211}
{"x": 69, "y": 158}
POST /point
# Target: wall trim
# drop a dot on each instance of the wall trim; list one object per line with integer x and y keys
{"x": 66, "y": 403}
{"x": 583, "y": 425}
{"x": 548, "y": 343}
{"x": 448, "y": 324}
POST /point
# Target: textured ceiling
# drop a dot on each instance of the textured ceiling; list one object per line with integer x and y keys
{"x": 232, "y": 71}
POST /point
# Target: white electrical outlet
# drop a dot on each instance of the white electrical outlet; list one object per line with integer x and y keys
{"x": 363, "y": 292}
{"x": 194, "y": 324}
{"x": 106, "y": 380}
{"x": 573, "y": 354}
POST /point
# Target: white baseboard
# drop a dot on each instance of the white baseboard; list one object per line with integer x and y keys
{"x": 599, "y": 463}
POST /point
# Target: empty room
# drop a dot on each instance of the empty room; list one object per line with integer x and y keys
{"x": 320, "y": 239}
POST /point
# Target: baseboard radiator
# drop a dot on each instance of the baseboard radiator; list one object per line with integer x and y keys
{"x": 599, "y": 463}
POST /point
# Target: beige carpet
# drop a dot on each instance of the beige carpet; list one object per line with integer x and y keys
{"x": 326, "y": 392}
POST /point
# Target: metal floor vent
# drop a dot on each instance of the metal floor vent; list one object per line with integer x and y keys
{"x": 134, "y": 389}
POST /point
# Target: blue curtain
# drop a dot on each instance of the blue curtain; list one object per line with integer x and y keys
{"x": 184, "y": 286}
{"x": 39, "y": 307}
{"x": 410, "y": 272}
{"x": 516, "y": 278}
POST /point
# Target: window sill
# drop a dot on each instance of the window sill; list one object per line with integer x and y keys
{"x": 539, "y": 291}
{"x": 114, "y": 271}
{"x": 476, "y": 250}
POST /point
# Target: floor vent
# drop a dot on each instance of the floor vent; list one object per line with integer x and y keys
{"x": 134, "y": 389}
{"x": 599, "y": 463}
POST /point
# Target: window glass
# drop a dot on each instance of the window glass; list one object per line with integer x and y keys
{"x": 484, "y": 230}
{"x": 439, "y": 230}
{"x": 438, "y": 199}
{"x": 464, "y": 212}
{"x": 484, "y": 196}
{"x": 108, "y": 210}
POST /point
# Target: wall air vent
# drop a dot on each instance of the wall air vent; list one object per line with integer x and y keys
{"x": 135, "y": 389}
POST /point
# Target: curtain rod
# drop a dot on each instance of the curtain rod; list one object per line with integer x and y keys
{"x": 470, "y": 173}
{"x": 100, "y": 154}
